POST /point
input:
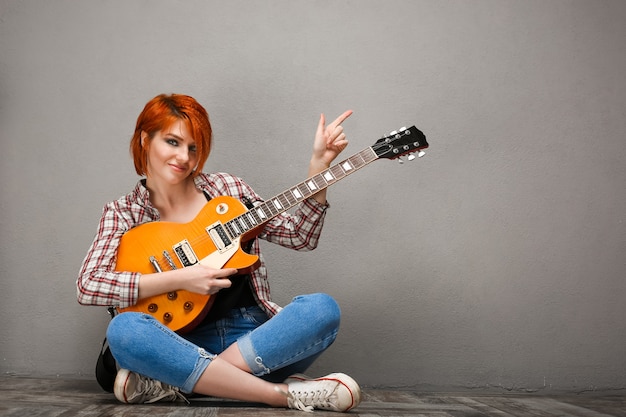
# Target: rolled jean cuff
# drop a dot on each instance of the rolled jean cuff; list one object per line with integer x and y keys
{"x": 255, "y": 363}
{"x": 204, "y": 359}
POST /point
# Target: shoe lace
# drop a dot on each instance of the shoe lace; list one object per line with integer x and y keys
{"x": 308, "y": 400}
{"x": 155, "y": 391}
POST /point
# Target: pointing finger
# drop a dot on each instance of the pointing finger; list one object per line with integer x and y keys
{"x": 339, "y": 120}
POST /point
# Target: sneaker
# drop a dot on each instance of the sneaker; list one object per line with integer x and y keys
{"x": 334, "y": 392}
{"x": 132, "y": 388}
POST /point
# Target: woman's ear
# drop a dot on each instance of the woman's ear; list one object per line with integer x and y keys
{"x": 144, "y": 137}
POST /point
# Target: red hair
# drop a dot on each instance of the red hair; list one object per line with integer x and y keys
{"x": 158, "y": 114}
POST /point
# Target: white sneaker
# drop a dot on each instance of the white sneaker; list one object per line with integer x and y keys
{"x": 334, "y": 392}
{"x": 133, "y": 388}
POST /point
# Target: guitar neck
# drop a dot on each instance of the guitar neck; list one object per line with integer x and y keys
{"x": 396, "y": 144}
{"x": 284, "y": 201}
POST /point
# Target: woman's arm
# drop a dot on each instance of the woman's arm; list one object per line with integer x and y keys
{"x": 329, "y": 142}
{"x": 98, "y": 283}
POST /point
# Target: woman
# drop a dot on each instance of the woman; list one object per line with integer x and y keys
{"x": 247, "y": 348}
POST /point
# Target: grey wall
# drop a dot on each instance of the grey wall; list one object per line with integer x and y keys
{"x": 497, "y": 261}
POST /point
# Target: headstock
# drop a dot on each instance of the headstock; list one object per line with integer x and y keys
{"x": 401, "y": 142}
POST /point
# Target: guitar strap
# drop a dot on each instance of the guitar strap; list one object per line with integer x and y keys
{"x": 106, "y": 366}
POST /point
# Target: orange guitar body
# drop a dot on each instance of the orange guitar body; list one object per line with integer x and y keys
{"x": 142, "y": 250}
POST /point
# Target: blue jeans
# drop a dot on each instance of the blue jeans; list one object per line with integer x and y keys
{"x": 273, "y": 348}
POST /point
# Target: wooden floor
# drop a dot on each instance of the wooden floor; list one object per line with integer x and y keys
{"x": 31, "y": 397}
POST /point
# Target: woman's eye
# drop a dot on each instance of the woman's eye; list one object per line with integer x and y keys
{"x": 192, "y": 149}
{"x": 172, "y": 142}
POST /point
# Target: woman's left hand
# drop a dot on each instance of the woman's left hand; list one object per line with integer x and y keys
{"x": 329, "y": 142}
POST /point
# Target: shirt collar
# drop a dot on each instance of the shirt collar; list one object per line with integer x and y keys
{"x": 202, "y": 183}
{"x": 142, "y": 193}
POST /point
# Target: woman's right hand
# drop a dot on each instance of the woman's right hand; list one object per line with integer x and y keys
{"x": 200, "y": 279}
{"x": 206, "y": 280}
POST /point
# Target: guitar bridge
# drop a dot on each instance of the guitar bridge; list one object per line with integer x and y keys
{"x": 220, "y": 238}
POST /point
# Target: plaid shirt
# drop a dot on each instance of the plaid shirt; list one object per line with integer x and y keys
{"x": 99, "y": 283}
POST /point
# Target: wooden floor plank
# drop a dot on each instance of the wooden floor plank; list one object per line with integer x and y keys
{"x": 57, "y": 397}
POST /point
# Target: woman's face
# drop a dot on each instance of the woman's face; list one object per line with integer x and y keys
{"x": 171, "y": 153}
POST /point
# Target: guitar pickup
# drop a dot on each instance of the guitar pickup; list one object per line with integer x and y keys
{"x": 220, "y": 238}
{"x": 185, "y": 253}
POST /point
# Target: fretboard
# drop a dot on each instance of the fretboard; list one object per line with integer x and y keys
{"x": 282, "y": 202}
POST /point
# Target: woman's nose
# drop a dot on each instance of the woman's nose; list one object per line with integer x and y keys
{"x": 183, "y": 154}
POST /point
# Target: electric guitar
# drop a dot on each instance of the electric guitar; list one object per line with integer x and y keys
{"x": 215, "y": 236}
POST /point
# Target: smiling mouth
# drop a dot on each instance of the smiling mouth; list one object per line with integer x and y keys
{"x": 178, "y": 168}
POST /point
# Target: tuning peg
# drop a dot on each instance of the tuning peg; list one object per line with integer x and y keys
{"x": 402, "y": 129}
{"x": 420, "y": 154}
{"x": 400, "y": 160}
{"x": 410, "y": 157}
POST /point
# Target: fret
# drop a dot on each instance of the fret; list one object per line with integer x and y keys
{"x": 304, "y": 190}
{"x": 249, "y": 215}
{"x": 235, "y": 228}
{"x": 296, "y": 194}
{"x": 230, "y": 230}
{"x": 245, "y": 222}
{"x": 320, "y": 181}
{"x": 357, "y": 161}
{"x": 284, "y": 201}
{"x": 277, "y": 204}
{"x": 271, "y": 209}
{"x": 263, "y": 211}
{"x": 368, "y": 155}
{"x": 312, "y": 185}
{"x": 253, "y": 219}
{"x": 338, "y": 172}
{"x": 288, "y": 198}
{"x": 240, "y": 224}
